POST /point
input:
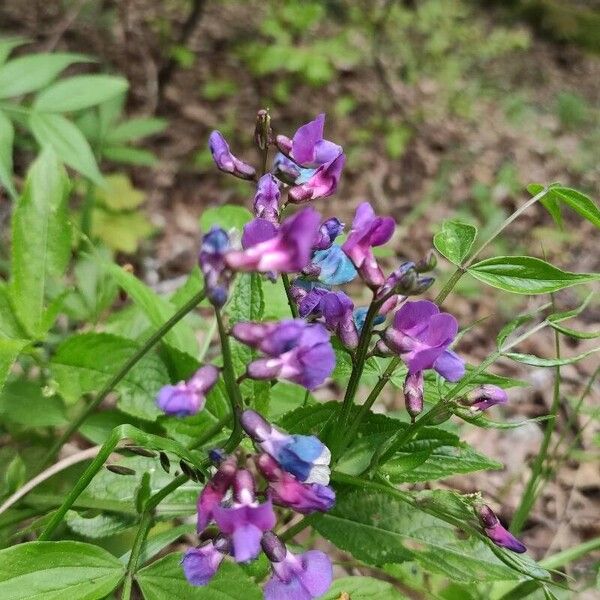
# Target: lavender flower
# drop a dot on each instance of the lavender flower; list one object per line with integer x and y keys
{"x": 266, "y": 200}
{"x": 188, "y": 397}
{"x": 328, "y": 232}
{"x": 288, "y": 251}
{"x": 304, "y": 456}
{"x": 214, "y": 491}
{"x": 421, "y": 335}
{"x": 200, "y": 564}
{"x": 413, "y": 393}
{"x": 486, "y": 396}
{"x": 295, "y": 350}
{"x": 368, "y": 231}
{"x": 225, "y": 160}
{"x": 338, "y": 311}
{"x": 497, "y": 533}
{"x": 217, "y": 277}
{"x": 246, "y": 520}
{"x": 295, "y": 577}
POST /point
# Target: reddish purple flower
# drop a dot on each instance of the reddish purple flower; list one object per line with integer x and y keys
{"x": 214, "y": 491}
{"x": 246, "y": 520}
{"x": 217, "y": 276}
{"x": 225, "y": 160}
{"x": 421, "y": 335}
{"x": 295, "y": 577}
{"x": 289, "y": 251}
{"x": 413, "y": 393}
{"x": 200, "y": 564}
{"x": 266, "y": 200}
{"x": 338, "y": 312}
{"x": 296, "y": 350}
{"x": 368, "y": 230}
{"x": 257, "y": 231}
{"x": 497, "y": 533}
{"x": 188, "y": 397}
{"x": 286, "y": 490}
{"x": 487, "y": 395}
{"x": 321, "y": 184}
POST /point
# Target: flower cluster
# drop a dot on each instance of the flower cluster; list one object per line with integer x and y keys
{"x": 294, "y": 471}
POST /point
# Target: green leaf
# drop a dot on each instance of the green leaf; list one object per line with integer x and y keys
{"x": 551, "y": 204}
{"x": 164, "y": 580}
{"x": 526, "y": 275}
{"x": 121, "y": 231}
{"x": 79, "y": 92}
{"x": 378, "y": 528}
{"x": 9, "y": 324}
{"x": 84, "y": 363}
{"x": 58, "y": 570}
{"x": 155, "y": 543}
{"x": 574, "y": 199}
{"x": 35, "y": 71}
{"x": 135, "y": 129}
{"x": 68, "y": 142}
{"x": 228, "y": 216}
{"x": 98, "y": 526}
{"x": 7, "y": 134}
{"x": 574, "y": 333}
{"x": 455, "y": 240}
{"x": 41, "y": 239}
{"x": 23, "y": 403}
{"x": 118, "y": 193}
{"x": 129, "y": 156}
{"x": 7, "y": 44}
{"x": 536, "y": 361}
{"x": 157, "y": 309}
{"x": 362, "y": 588}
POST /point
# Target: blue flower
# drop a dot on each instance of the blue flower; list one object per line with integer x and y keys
{"x": 335, "y": 267}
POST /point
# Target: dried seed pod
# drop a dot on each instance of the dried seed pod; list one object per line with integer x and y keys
{"x": 120, "y": 470}
{"x": 165, "y": 463}
{"x": 187, "y": 470}
{"x": 141, "y": 451}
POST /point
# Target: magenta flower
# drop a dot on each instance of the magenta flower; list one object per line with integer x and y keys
{"x": 286, "y": 490}
{"x": 289, "y": 251}
{"x": 217, "y": 276}
{"x": 368, "y": 231}
{"x": 266, "y": 200}
{"x": 497, "y": 533}
{"x": 321, "y": 184}
{"x": 486, "y": 396}
{"x": 296, "y": 350}
{"x": 421, "y": 335}
{"x": 200, "y": 564}
{"x": 295, "y": 577}
{"x": 188, "y": 397}
{"x": 246, "y": 520}
{"x": 214, "y": 491}
{"x": 225, "y": 160}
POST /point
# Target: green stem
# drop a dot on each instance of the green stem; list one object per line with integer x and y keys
{"x": 570, "y": 554}
{"x": 116, "y": 379}
{"x": 89, "y": 201}
{"x": 210, "y": 432}
{"x": 288, "y": 292}
{"x": 535, "y": 482}
{"x": 294, "y": 530}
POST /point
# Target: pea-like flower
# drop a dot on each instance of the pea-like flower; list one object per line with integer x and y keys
{"x": 246, "y": 520}
{"x": 368, "y": 231}
{"x": 225, "y": 160}
{"x": 295, "y": 577}
{"x": 288, "y": 251}
{"x": 304, "y": 456}
{"x": 497, "y": 533}
{"x": 321, "y": 184}
{"x": 200, "y": 564}
{"x": 485, "y": 396}
{"x": 421, "y": 335}
{"x": 328, "y": 232}
{"x": 214, "y": 491}
{"x": 217, "y": 275}
{"x": 332, "y": 266}
{"x": 188, "y": 397}
{"x": 296, "y": 350}
{"x": 266, "y": 200}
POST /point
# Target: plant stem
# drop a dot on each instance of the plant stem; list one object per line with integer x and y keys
{"x": 294, "y": 530}
{"x": 116, "y": 379}
{"x": 534, "y": 484}
{"x": 89, "y": 201}
{"x": 288, "y": 292}
{"x": 462, "y": 268}
{"x": 570, "y": 554}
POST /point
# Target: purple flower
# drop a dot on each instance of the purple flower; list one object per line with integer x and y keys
{"x": 188, "y": 397}
{"x": 295, "y": 577}
{"x": 497, "y": 533}
{"x": 487, "y": 395}
{"x": 304, "y": 456}
{"x": 286, "y": 490}
{"x": 321, "y": 184}
{"x": 217, "y": 277}
{"x": 200, "y": 564}
{"x": 328, "y": 232}
{"x": 257, "y": 231}
{"x": 338, "y": 311}
{"x": 401, "y": 281}
{"x": 246, "y": 520}
{"x": 413, "y": 393}
{"x": 266, "y": 201}
{"x": 225, "y": 160}
{"x": 421, "y": 335}
{"x": 296, "y": 350}
{"x": 288, "y": 251}
{"x": 368, "y": 231}
{"x": 332, "y": 266}
{"x": 214, "y": 491}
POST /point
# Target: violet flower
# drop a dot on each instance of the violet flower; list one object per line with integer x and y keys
{"x": 295, "y": 577}
{"x": 225, "y": 160}
{"x": 285, "y": 490}
{"x": 257, "y": 231}
{"x": 296, "y": 350}
{"x": 413, "y": 393}
{"x": 304, "y": 456}
{"x": 266, "y": 200}
{"x": 188, "y": 397}
{"x": 487, "y": 395}
{"x": 421, "y": 335}
{"x": 328, "y": 232}
{"x": 214, "y": 491}
{"x": 497, "y": 533}
{"x": 217, "y": 276}
{"x": 338, "y": 311}
{"x": 288, "y": 251}
{"x": 246, "y": 520}
{"x": 200, "y": 564}
{"x": 368, "y": 230}
{"x": 321, "y": 184}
